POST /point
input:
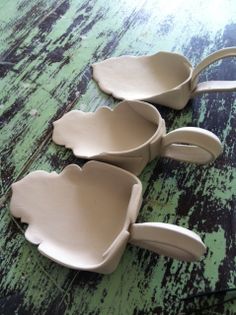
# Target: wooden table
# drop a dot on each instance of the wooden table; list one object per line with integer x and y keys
{"x": 46, "y": 50}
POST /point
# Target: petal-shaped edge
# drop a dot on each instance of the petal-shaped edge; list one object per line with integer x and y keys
{"x": 73, "y": 173}
{"x": 60, "y": 133}
{"x": 64, "y": 128}
{"x": 106, "y": 76}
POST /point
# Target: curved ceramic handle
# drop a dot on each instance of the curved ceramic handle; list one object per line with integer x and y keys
{"x": 212, "y": 86}
{"x": 191, "y": 144}
{"x": 168, "y": 239}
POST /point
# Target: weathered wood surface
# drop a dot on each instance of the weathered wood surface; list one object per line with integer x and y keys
{"x": 46, "y": 48}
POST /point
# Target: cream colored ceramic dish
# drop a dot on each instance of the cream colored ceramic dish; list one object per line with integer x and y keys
{"x": 164, "y": 78}
{"x": 83, "y": 218}
{"x": 131, "y": 135}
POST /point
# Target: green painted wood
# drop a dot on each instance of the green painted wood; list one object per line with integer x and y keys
{"x": 51, "y": 74}
{"x": 17, "y": 18}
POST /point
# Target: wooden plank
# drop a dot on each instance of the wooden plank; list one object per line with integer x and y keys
{"x": 199, "y": 198}
{"x": 31, "y": 280}
{"x": 19, "y": 141}
{"x": 17, "y": 18}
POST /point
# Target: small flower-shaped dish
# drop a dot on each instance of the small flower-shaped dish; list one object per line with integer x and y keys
{"x": 131, "y": 135}
{"x": 164, "y": 78}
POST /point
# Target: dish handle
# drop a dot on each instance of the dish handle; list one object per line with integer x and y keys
{"x": 168, "y": 239}
{"x": 191, "y": 144}
{"x": 212, "y": 86}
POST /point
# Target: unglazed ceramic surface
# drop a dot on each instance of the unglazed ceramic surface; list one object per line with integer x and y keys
{"x": 83, "y": 218}
{"x": 131, "y": 135}
{"x": 76, "y": 216}
{"x": 164, "y": 78}
{"x": 125, "y": 128}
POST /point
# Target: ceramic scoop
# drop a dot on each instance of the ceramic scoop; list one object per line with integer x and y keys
{"x": 131, "y": 135}
{"x": 83, "y": 218}
{"x": 164, "y": 78}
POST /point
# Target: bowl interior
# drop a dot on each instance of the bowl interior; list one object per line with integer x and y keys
{"x": 77, "y": 214}
{"x": 118, "y": 130}
{"x": 143, "y": 77}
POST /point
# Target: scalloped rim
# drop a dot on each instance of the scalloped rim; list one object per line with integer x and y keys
{"x": 123, "y": 235}
{"x": 97, "y": 78}
{"x": 68, "y": 146}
